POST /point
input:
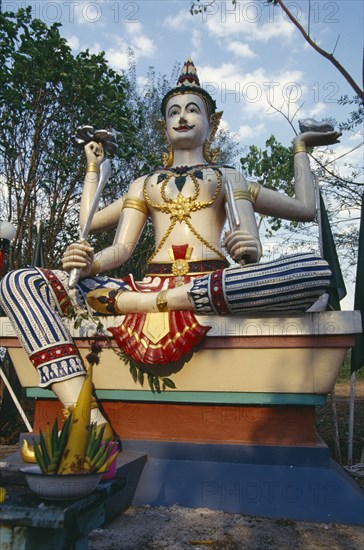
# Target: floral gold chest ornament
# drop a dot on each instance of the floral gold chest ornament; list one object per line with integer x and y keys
{"x": 180, "y": 208}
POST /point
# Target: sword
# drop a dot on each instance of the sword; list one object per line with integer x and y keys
{"x": 233, "y": 215}
{"x": 105, "y": 171}
{"x": 230, "y": 207}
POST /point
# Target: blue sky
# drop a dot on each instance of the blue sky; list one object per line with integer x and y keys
{"x": 245, "y": 57}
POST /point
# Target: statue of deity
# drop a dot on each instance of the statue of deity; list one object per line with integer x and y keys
{"x": 188, "y": 273}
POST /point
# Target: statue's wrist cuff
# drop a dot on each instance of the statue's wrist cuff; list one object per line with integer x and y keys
{"x": 92, "y": 167}
{"x": 95, "y": 268}
{"x": 299, "y": 147}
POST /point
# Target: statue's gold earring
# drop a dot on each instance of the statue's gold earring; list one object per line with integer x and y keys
{"x": 210, "y": 154}
{"x": 167, "y": 157}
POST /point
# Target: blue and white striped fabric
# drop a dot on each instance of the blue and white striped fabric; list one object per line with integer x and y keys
{"x": 29, "y": 303}
{"x": 290, "y": 284}
{"x": 32, "y": 306}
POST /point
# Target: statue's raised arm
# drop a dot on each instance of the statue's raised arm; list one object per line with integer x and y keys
{"x": 302, "y": 207}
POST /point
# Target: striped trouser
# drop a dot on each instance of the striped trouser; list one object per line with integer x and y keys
{"x": 290, "y": 284}
{"x": 35, "y": 301}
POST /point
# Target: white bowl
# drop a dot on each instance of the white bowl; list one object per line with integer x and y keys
{"x": 60, "y": 487}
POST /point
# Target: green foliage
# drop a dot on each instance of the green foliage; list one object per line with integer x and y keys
{"x": 345, "y": 371}
{"x": 272, "y": 167}
{"x": 139, "y": 373}
{"x": 356, "y": 117}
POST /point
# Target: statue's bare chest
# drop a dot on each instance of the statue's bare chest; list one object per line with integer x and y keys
{"x": 197, "y": 188}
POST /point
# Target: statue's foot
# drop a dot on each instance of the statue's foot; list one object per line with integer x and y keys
{"x": 110, "y": 301}
{"x": 98, "y": 417}
{"x": 104, "y": 300}
{"x": 108, "y": 431}
{"x": 319, "y": 305}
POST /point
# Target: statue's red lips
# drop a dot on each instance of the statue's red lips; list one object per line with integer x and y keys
{"x": 183, "y": 128}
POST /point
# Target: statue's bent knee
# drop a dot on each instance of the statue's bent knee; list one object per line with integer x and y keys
{"x": 29, "y": 303}
{"x": 13, "y": 284}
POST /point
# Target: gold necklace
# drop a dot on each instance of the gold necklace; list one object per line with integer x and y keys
{"x": 180, "y": 208}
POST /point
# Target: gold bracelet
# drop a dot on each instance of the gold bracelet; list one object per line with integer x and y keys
{"x": 161, "y": 301}
{"x": 242, "y": 195}
{"x": 137, "y": 204}
{"x": 92, "y": 167}
{"x": 95, "y": 268}
{"x": 299, "y": 147}
{"x": 253, "y": 189}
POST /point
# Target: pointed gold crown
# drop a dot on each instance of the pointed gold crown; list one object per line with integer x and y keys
{"x": 189, "y": 83}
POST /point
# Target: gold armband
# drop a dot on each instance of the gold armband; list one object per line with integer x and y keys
{"x": 92, "y": 167}
{"x": 299, "y": 147}
{"x": 95, "y": 268}
{"x": 161, "y": 301}
{"x": 242, "y": 195}
{"x": 253, "y": 189}
{"x": 137, "y": 204}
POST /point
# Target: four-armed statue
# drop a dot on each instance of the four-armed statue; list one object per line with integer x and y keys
{"x": 188, "y": 274}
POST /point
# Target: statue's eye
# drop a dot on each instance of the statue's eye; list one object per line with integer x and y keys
{"x": 193, "y": 108}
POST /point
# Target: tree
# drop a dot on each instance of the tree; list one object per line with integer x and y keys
{"x": 45, "y": 93}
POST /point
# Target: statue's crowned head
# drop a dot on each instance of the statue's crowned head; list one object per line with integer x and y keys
{"x": 189, "y": 83}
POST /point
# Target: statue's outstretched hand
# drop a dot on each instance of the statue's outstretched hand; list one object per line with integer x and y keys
{"x": 94, "y": 152}
{"x": 242, "y": 246}
{"x": 314, "y": 139}
{"x": 78, "y": 255}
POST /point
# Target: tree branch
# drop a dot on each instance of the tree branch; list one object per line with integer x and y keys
{"x": 323, "y": 52}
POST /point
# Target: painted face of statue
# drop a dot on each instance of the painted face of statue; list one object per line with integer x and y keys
{"x": 187, "y": 122}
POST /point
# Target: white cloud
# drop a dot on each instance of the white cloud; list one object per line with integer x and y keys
{"x": 143, "y": 47}
{"x": 180, "y": 21}
{"x": 357, "y": 135}
{"x": 240, "y": 49}
{"x": 253, "y": 20}
{"x": 118, "y": 58}
{"x": 136, "y": 28}
{"x": 250, "y": 20}
{"x": 73, "y": 42}
{"x": 88, "y": 13}
{"x": 196, "y": 40}
{"x": 347, "y": 158}
{"x": 317, "y": 111}
{"x": 251, "y": 91}
{"x": 246, "y": 131}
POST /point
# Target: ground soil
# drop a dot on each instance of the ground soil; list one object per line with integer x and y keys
{"x": 181, "y": 529}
